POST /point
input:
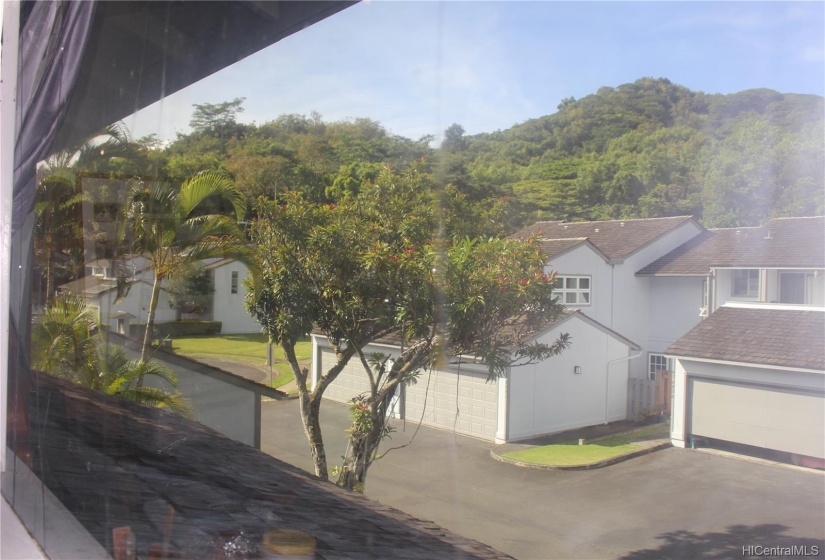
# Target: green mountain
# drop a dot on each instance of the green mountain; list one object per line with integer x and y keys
{"x": 646, "y": 149}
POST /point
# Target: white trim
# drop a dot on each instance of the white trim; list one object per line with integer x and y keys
{"x": 773, "y": 306}
{"x": 744, "y": 364}
{"x": 760, "y": 267}
{"x": 10, "y": 21}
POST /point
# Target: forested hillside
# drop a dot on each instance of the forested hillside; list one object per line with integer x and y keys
{"x": 646, "y": 149}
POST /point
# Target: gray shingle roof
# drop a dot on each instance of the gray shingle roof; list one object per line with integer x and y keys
{"x": 773, "y": 337}
{"x": 89, "y": 285}
{"x": 617, "y": 239}
{"x": 782, "y": 242}
{"x": 115, "y": 463}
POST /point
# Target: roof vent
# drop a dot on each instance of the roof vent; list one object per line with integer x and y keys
{"x": 621, "y": 224}
{"x": 565, "y": 227}
{"x": 769, "y": 235}
{"x": 738, "y": 232}
{"x": 597, "y": 230}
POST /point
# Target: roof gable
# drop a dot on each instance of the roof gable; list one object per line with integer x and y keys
{"x": 780, "y": 243}
{"x": 559, "y": 247}
{"x": 778, "y": 337}
{"x": 617, "y": 239}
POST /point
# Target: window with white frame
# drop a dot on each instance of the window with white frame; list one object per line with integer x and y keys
{"x": 573, "y": 290}
{"x": 746, "y": 283}
{"x": 234, "y": 284}
{"x": 658, "y": 362}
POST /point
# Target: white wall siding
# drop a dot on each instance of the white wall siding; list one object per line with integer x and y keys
{"x": 137, "y": 303}
{"x": 583, "y": 261}
{"x": 549, "y": 397}
{"x": 632, "y": 309}
{"x": 673, "y": 309}
{"x": 228, "y": 308}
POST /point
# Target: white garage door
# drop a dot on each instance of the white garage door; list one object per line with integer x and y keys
{"x": 464, "y": 403}
{"x": 761, "y": 416}
{"x": 350, "y": 382}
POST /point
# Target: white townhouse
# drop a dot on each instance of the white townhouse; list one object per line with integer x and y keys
{"x": 635, "y": 290}
{"x": 228, "y": 298}
{"x": 752, "y": 373}
{"x": 596, "y": 264}
{"x": 99, "y": 289}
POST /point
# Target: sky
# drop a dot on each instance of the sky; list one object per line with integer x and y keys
{"x": 417, "y": 67}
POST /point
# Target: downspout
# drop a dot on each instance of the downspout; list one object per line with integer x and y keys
{"x": 607, "y": 381}
{"x": 612, "y": 293}
{"x": 712, "y": 287}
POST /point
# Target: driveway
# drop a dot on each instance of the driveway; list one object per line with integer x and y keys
{"x": 674, "y": 503}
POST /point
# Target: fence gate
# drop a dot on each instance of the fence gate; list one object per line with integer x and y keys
{"x": 647, "y": 396}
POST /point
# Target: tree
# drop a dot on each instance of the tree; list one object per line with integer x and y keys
{"x": 177, "y": 228}
{"x": 66, "y": 342}
{"x": 191, "y": 291}
{"x": 59, "y": 198}
{"x": 370, "y": 267}
{"x": 211, "y": 117}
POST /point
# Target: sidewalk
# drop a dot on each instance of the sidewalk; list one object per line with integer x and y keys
{"x": 647, "y": 444}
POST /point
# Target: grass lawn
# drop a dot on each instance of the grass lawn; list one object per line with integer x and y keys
{"x": 568, "y": 454}
{"x": 240, "y": 347}
{"x": 250, "y": 348}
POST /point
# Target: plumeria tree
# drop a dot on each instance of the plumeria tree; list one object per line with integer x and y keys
{"x": 374, "y": 266}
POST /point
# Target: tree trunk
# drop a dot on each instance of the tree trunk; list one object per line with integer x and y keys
{"x": 310, "y": 415}
{"x": 363, "y": 447}
{"x": 150, "y": 324}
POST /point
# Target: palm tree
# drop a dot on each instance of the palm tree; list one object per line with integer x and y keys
{"x": 119, "y": 376}
{"x": 59, "y": 227}
{"x": 66, "y": 342}
{"x": 177, "y": 228}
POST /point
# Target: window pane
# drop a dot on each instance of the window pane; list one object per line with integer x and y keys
{"x": 584, "y": 283}
{"x": 570, "y": 297}
{"x": 584, "y": 297}
{"x": 570, "y": 283}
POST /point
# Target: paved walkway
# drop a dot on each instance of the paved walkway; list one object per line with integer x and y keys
{"x": 675, "y": 503}
{"x": 258, "y": 373}
{"x": 252, "y": 372}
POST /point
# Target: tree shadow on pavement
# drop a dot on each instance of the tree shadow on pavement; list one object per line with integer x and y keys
{"x": 737, "y": 541}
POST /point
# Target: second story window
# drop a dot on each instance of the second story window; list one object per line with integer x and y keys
{"x": 746, "y": 283}
{"x": 234, "y": 285}
{"x": 573, "y": 290}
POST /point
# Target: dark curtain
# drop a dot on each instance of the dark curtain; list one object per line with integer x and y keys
{"x": 52, "y": 42}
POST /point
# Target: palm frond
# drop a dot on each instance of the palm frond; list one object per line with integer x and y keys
{"x": 209, "y": 185}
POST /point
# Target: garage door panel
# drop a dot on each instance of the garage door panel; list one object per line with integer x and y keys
{"x": 465, "y": 402}
{"x": 462, "y": 403}
{"x": 760, "y": 416}
{"x": 352, "y": 380}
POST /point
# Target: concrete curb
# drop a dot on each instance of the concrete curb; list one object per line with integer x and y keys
{"x": 662, "y": 444}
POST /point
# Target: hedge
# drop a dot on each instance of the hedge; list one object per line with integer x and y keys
{"x": 175, "y": 329}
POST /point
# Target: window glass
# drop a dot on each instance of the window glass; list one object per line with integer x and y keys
{"x": 436, "y": 158}
{"x": 746, "y": 283}
{"x": 574, "y": 290}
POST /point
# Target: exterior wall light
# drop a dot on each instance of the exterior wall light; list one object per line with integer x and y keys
{"x": 577, "y": 370}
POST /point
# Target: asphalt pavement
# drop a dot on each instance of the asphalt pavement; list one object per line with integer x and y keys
{"x": 673, "y": 503}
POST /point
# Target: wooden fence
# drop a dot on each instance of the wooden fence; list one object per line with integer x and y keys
{"x": 646, "y": 397}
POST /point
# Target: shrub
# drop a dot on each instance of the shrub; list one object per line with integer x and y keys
{"x": 174, "y": 329}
